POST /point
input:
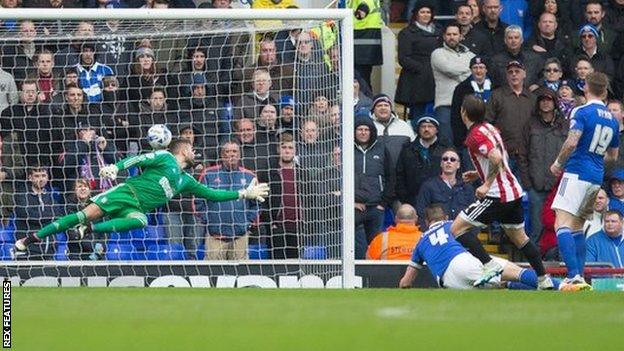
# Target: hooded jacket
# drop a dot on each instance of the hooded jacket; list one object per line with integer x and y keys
{"x": 542, "y": 142}
{"x": 374, "y": 174}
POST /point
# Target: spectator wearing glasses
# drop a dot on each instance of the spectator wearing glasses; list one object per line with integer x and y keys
{"x": 590, "y": 49}
{"x": 595, "y": 13}
{"x": 447, "y": 188}
{"x": 552, "y": 75}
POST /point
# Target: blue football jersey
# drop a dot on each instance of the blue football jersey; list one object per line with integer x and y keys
{"x": 437, "y": 247}
{"x": 600, "y": 132}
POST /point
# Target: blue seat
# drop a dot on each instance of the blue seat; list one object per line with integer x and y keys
{"x": 148, "y": 236}
{"x": 7, "y": 235}
{"x": 5, "y": 252}
{"x": 314, "y": 253}
{"x": 165, "y": 252}
{"x": 120, "y": 238}
{"x": 61, "y": 252}
{"x": 258, "y": 252}
{"x": 61, "y": 238}
{"x": 201, "y": 252}
{"x": 117, "y": 252}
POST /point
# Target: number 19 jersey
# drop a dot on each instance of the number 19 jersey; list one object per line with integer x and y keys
{"x": 438, "y": 248}
{"x": 599, "y": 133}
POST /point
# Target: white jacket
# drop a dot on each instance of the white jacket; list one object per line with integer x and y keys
{"x": 397, "y": 127}
{"x": 450, "y": 67}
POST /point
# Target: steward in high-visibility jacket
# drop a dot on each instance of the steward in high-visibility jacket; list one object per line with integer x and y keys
{"x": 367, "y": 32}
{"x": 399, "y": 240}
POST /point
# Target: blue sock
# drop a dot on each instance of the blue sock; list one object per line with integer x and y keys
{"x": 519, "y": 286}
{"x": 528, "y": 277}
{"x": 556, "y": 283}
{"x": 567, "y": 249}
{"x": 581, "y": 250}
{"x": 522, "y": 286}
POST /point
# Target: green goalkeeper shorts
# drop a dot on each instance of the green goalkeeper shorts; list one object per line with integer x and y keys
{"x": 117, "y": 201}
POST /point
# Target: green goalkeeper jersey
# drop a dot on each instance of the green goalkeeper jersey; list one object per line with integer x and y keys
{"x": 162, "y": 179}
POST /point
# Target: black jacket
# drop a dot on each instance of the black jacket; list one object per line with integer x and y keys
{"x": 600, "y": 61}
{"x": 33, "y": 132}
{"x": 33, "y": 212}
{"x": 562, "y": 46}
{"x": 542, "y": 143}
{"x": 477, "y": 42}
{"x": 457, "y": 126}
{"x": 533, "y": 64}
{"x": 374, "y": 175}
{"x": 436, "y": 191}
{"x": 495, "y": 36}
{"x": 413, "y": 170}
{"x": 416, "y": 84}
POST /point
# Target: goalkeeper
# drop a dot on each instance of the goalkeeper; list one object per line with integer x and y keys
{"x": 162, "y": 178}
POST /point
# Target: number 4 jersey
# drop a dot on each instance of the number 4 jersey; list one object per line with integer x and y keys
{"x": 437, "y": 247}
{"x": 599, "y": 132}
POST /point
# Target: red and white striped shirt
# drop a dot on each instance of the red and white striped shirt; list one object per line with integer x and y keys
{"x": 483, "y": 138}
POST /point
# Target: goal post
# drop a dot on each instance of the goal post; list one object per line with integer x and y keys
{"x": 137, "y": 28}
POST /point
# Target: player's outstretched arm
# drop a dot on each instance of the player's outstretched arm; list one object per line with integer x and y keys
{"x": 408, "y": 278}
{"x": 255, "y": 191}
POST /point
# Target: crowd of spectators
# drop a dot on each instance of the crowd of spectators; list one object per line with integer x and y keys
{"x": 77, "y": 95}
{"x": 528, "y": 61}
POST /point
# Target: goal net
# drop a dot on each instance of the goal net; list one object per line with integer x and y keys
{"x": 259, "y": 94}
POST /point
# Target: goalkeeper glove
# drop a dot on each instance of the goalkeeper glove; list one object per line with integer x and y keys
{"x": 109, "y": 172}
{"x": 255, "y": 191}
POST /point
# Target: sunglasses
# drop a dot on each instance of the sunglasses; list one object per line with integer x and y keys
{"x": 552, "y": 70}
{"x": 449, "y": 159}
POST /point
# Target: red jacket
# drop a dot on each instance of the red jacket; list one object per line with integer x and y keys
{"x": 549, "y": 236}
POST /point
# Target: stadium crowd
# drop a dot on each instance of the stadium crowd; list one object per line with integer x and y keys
{"x": 75, "y": 96}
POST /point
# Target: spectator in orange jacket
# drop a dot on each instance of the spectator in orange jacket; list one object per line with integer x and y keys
{"x": 398, "y": 241}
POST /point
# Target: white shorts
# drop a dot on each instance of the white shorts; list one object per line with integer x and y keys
{"x": 463, "y": 271}
{"x": 576, "y": 196}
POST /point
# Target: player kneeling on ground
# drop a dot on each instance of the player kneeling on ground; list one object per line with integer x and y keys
{"x": 453, "y": 266}
{"x": 162, "y": 178}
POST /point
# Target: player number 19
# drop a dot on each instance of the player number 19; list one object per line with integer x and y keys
{"x": 601, "y": 139}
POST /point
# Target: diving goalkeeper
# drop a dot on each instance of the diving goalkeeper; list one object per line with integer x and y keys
{"x": 162, "y": 178}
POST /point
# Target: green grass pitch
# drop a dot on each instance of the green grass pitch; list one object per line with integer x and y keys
{"x": 256, "y": 319}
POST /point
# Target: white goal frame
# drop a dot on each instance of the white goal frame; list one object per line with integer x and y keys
{"x": 344, "y": 16}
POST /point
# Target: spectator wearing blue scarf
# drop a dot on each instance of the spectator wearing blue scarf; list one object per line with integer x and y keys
{"x": 479, "y": 84}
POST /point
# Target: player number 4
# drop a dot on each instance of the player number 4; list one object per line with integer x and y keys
{"x": 601, "y": 139}
{"x": 439, "y": 237}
